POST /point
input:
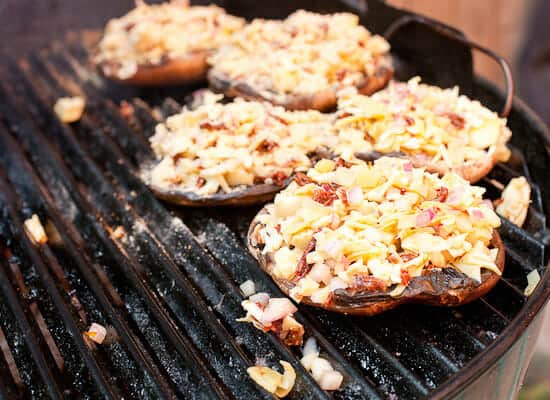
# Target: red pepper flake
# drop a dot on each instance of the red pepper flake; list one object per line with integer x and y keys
{"x": 279, "y": 178}
{"x": 367, "y": 283}
{"x": 266, "y": 146}
{"x": 326, "y": 194}
{"x": 402, "y": 191}
{"x": 405, "y": 277}
{"x": 343, "y": 195}
{"x": 302, "y": 179}
{"x": 407, "y": 256}
{"x": 456, "y": 120}
{"x": 200, "y": 182}
{"x": 212, "y": 126}
{"x": 408, "y": 120}
{"x": 441, "y": 194}
{"x": 341, "y": 74}
{"x": 303, "y": 268}
{"x": 278, "y": 228}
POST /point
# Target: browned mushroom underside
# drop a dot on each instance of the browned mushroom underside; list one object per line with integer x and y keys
{"x": 189, "y": 69}
{"x": 249, "y": 195}
{"x": 324, "y": 100}
{"x": 438, "y": 287}
{"x": 472, "y": 170}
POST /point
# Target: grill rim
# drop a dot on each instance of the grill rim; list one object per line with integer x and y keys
{"x": 534, "y": 303}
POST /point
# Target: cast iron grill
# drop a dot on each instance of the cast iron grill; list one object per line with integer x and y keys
{"x": 169, "y": 285}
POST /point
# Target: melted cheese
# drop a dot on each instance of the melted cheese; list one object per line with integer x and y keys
{"x": 363, "y": 230}
{"x": 151, "y": 33}
{"x": 221, "y": 147}
{"x": 304, "y": 54}
{"x": 415, "y": 118}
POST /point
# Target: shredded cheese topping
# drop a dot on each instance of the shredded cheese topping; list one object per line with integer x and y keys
{"x": 303, "y": 54}
{"x": 415, "y": 118}
{"x": 149, "y": 34}
{"x": 221, "y": 147}
{"x": 374, "y": 227}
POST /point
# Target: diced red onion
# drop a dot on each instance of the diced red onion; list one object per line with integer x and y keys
{"x": 261, "y": 299}
{"x": 331, "y": 380}
{"x": 425, "y": 217}
{"x": 337, "y": 283}
{"x": 477, "y": 214}
{"x": 310, "y": 347}
{"x": 333, "y": 247}
{"x": 320, "y": 366}
{"x": 320, "y": 272}
{"x": 488, "y": 203}
{"x": 277, "y": 309}
{"x": 355, "y": 196}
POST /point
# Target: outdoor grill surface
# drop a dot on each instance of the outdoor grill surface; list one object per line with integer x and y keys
{"x": 169, "y": 284}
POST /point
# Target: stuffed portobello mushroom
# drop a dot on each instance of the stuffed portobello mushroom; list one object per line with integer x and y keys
{"x": 237, "y": 153}
{"x": 435, "y": 128}
{"x": 163, "y": 44}
{"x": 362, "y": 238}
{"x": 301, "y": 62}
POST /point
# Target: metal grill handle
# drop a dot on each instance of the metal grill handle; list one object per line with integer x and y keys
{"x": 455, "y": 35}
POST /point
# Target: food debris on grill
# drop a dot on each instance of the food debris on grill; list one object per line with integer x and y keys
{"x": 275, "y": 315}
{"x": 274, "y": 382}
{"x": 533, "y": 279}
{"x": 69, "y": 109}
{"x": 320, "y": 368}
{"x": 35, "y": 230}
{"x": 514, "y": 201}
{"x": 118, "y": 232}
{"x": 101, "y": 334}
{"x": 248, "y": 288}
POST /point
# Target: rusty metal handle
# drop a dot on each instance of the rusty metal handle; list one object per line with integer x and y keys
{"x": 454, "y": 35}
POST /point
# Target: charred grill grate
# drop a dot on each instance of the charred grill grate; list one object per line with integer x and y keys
{"x": 169, "y": 285}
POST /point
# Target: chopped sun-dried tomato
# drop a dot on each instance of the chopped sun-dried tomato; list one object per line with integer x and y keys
{"x": 212, "y": 126}
{"x": 456, "y": 120}
{"x": 303, "y": 268}
{"x": 200, "y": 182}
{"x": 405, "y": 277}
{"x": 258, "y": 180}
{"x": 302, "y": 179}
{"x": 326, "y": 194}
{"x": 279, "y": 178}
{"x": 441, "y": 194}
{"x": 266, "y": 146}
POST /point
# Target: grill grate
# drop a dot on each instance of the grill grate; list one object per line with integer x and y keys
{"x": 169, "y": 286}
